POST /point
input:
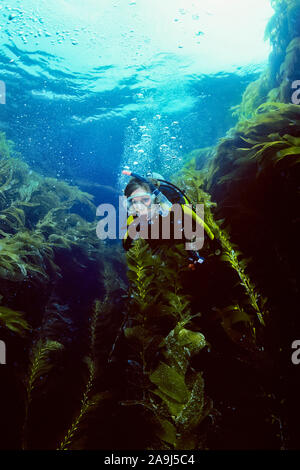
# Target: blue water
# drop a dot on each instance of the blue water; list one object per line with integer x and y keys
{"x": 93, "y": 90}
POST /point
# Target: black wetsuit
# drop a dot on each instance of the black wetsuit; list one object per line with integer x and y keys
{"x": 176, "y": 226}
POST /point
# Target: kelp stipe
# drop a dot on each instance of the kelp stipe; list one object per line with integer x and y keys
{"x": 231, "y": 254}
{"x": 141, "y": 274}
{"x": 88, "y": 403}
{"x": 40, "y": 365}
{"x": 89, "y": 400}
{"x": 265, "y": 167}
{"x": 194, "y": 185}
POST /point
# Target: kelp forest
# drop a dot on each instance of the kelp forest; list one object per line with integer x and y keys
{"x": 113, "y": 350}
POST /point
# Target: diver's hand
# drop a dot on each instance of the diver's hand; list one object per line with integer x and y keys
{"x": 195, "y": 260}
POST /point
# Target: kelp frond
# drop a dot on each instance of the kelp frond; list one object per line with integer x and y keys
{"x": 23, "y": 254}
{"x": 13, "y": 320}
{"x": 40, "y": 363}
{"x": 88, "y": 403}
{"x": 12, "y": 220}
{"x": 140, "y": 274}
{"x": 39, "y": 366}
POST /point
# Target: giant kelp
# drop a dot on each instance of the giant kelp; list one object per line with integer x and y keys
{"x": 169, "y": 377}
{"x": 90, "y": 399}
{"x": 40, "y": 364}
{"x": 233, "y": 292}
{"x": 260, "y": 149}
{"x": 267, "y": 145}
{"x": 39, "y": 216}
{"x": 157, "y": 319}
{"x": 275, "y": 83}
{"x": 253, "y": 183}
{"x": 48, "y": 245}
{"x": 229, "y": 252}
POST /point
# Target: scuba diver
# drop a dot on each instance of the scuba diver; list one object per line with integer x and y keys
{"x": 152, "y": 205}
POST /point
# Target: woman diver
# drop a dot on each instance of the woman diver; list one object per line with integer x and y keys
{"x": 161, "y": 213}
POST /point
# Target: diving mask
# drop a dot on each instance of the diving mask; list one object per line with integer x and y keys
{"x": 160, "y": 199}
{"x": 139, "y": 202}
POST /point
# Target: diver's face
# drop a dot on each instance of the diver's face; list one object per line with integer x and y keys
{"x": 140, "y": 202}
